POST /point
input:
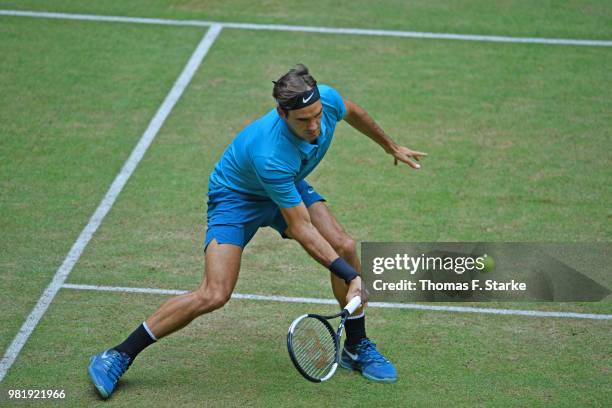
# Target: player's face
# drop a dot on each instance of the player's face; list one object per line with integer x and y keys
{"x": 305, "y": 122}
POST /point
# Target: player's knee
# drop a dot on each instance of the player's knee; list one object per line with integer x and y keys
{"x": 346, "y": 248}
{"x": 219, "y": 299}
{"x": 211, "y": 299}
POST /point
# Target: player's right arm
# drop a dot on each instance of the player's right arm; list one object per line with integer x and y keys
{"x": 300, "y": 228}
{"x": 277, "y": 177}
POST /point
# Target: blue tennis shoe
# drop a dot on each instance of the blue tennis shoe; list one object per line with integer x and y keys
{"x": 106, "y": 368}
{"x": 366, "y": 358}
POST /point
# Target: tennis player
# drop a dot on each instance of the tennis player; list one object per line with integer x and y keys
{"x": 260, "y": 181}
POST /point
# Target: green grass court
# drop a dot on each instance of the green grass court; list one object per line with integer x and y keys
{"x": 519, "y": 141}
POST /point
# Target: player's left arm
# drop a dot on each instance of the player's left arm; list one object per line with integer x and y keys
{"x": 358, "y": 118}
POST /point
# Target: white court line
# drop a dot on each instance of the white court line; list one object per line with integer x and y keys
{"x": 307, "y": 29}
{"x": 109, "y": 199}
{"x": 385, "y": 305}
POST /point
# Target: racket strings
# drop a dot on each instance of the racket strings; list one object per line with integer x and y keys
{"x": 314, "y": 343}
{"x": 314, "y": 347}
{"x": 317, "y": 366}
{"x": 315, "y": 360}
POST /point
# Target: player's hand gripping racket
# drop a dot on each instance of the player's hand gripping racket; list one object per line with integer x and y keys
{"x": 314, "y": 346}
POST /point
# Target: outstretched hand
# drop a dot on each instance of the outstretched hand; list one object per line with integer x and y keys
{"x": 407, "y": 156}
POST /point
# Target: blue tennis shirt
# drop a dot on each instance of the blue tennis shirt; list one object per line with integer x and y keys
{"x": 266, "y": 159}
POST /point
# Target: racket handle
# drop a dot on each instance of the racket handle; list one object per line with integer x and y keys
{"x": 353, "y": 304}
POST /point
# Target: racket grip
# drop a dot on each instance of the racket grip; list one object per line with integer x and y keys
{"x": 353, "y": 304}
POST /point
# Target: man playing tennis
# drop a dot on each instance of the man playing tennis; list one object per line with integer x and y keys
{"x": 260, "y": 181}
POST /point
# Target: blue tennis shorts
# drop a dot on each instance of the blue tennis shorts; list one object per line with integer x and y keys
{"x": 234, "y": 218}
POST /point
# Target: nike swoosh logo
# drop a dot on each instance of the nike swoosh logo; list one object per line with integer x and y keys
{"x": 310, "y": 190}
{"x": 351, "y": 355}
{"x": 304, "y": 100}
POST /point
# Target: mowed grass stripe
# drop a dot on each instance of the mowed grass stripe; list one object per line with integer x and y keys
{"x": 588, "y": 19}
{"x": 237, "y": 356}
{"x": 72, "y": 112}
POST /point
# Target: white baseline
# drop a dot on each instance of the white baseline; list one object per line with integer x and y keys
{"x": 308, "y": 29}
{"x": 109, "y": 199}
{"x": 511, "y": 312}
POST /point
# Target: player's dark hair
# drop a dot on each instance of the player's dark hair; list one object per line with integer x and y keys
{"x": 293, "y": 83}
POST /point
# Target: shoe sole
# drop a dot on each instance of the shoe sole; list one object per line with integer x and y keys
{"x": 368, "y": 376}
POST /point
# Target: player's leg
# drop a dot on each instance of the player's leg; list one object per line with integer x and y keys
{"x": 329, "y": 227}
{"x": 220, "y": 276}
{"x": 359, "y": 352}
{"x": 331, "y": 230}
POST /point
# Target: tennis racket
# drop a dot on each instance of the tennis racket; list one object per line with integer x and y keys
{"x": 314, "y": 346}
